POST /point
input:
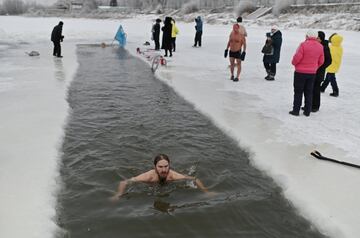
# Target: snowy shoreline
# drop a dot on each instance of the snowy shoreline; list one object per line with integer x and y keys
{"x": 253, "y": 112}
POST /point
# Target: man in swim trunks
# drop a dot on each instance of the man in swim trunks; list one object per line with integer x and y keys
{"x": 160, "y": 174}
{"x": 236, "y": 43}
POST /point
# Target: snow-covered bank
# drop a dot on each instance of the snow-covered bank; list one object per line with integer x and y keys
{"x": 253, "y": 111}
{"x": 33, "y": 111}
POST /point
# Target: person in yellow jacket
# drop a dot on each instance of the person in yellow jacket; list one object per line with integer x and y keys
{"x": 174, "y": 32}
{"x": 336, "y": 52}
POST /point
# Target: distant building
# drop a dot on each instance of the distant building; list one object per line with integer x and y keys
{"x": 76, "y": 5}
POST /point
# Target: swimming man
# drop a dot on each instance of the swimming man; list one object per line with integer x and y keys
{"x": 160, "y": 174}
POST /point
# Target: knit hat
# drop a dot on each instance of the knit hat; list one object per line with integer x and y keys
{"x": 321, "y": 35}
{"x": 312, "y": 34}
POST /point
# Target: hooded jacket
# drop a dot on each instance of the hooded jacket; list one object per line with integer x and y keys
{"x": 174, "y": 30}
{"x": 166, "y": 37}
{"x": 199, "y": 24}
{"x": 56, "y": 34}
{"x": 308, "y": 57}
{"x": 336, "y": 52}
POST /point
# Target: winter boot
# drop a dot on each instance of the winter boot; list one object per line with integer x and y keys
{"x": 271, "y": 77}
{"x": 294, "y": 113}
{"x": 268, "y": 74}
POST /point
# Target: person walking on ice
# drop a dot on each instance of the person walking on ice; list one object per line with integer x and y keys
{"x": 336, "y": 52}
{"x": 56, "y": 38}
{"x": 237, "y": 45}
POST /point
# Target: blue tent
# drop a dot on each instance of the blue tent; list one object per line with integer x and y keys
{"x": 121, "y": 36}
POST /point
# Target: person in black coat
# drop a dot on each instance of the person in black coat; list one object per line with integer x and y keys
{"x": 156, "y": 34}
{"x": 56, "y": 38}
{"x": 199, "y": 31}
{"x": 271, "y": 58}
{"x": 167, "y": 39}
{"x": 320, "y": 73}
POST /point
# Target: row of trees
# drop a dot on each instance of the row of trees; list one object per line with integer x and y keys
{"x": 14, "y": 7}
{"x": 175, "y": 4}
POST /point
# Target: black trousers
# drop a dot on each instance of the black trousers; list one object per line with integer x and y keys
{"x": 198, "y": 38}
{"x": 173, "y": 41}
{"x": 303, "y": 84}
{"x": 157, "y": 43}
{"x": 57, "y": 48}
{"x": 317, "y": 89}
{"x": 330, "y": 78}
{"x": 270, "y": 67}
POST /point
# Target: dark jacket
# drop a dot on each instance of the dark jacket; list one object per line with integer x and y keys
{"x": 199, "y": 24}
{"x": 156, "y": 31}
{"x": 276, "y": 41}
{"x": 56, "y": 34}
{"x": 166, "y": 39}
{"x": 327, "y": 56}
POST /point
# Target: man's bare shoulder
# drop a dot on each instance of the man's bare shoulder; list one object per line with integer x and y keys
{"x": 173, "y": 175}
{"x": 149, "y": 176}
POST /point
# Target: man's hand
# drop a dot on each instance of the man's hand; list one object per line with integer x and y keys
{"x": 115, "y": 198}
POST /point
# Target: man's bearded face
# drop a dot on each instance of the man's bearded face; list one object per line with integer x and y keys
{"x": 162, "y": 168}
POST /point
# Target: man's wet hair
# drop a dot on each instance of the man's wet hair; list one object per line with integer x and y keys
{"x": 161, "y": 157}
{"x": 239, "y": 19}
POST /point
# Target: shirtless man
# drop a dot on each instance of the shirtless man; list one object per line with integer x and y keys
{"x": 236, "y": 43}
{"x": 160, "y": 174}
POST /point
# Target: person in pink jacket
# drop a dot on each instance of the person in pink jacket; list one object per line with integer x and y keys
{"x": 308, "y": 58}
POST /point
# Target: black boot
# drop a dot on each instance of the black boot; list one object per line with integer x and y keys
{"x": 271, "y": 77}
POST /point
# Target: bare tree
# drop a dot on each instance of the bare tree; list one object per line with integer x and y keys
{"x": 13, "y": 7}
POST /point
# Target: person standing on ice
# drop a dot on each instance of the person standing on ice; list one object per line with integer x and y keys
{"x": 166, "y": 39}
{"x": 199, "y": 31}
{"x": 237, "y": 45}
{"x": 336, "y": 52}
{"x": 174, "y": 33}
{"x": 320, "y": 73}
{"x": 272, "y": 57}
{"x": 56, "y": 38}
{"x": 156, "y": 34}
{"x": 308, "y": 58}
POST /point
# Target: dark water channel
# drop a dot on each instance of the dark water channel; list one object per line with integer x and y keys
{"x": 121, "y": 118}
